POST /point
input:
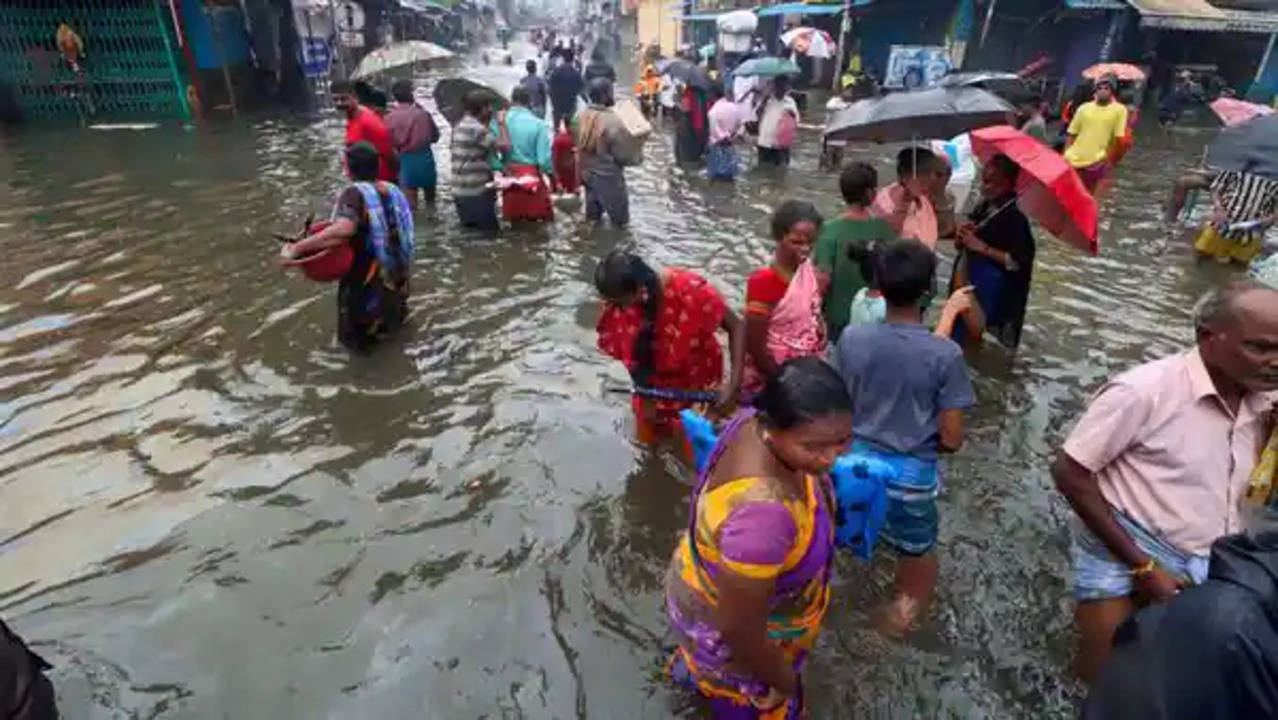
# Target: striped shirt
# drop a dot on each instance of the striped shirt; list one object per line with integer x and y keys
{"x": 1244, "y": 197}
{"x": 472, "y": 150}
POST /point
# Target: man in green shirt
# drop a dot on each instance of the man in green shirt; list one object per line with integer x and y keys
{"x": 839, "y": 274}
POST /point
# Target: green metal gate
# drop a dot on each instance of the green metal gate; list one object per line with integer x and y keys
{"x": 125, "y": 68}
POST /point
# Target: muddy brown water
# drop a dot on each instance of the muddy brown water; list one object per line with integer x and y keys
{"x": 208, "y": 509}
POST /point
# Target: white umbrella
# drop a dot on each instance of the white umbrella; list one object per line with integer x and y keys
{"x": 396, "y": 55}
{"x": 811, "y": 42}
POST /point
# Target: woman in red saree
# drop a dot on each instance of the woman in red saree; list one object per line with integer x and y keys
{"x": 783, "y": 300}
{"x": 662, "y": 328}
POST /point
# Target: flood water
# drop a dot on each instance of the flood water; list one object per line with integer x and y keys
{"x": 208, "y": 509}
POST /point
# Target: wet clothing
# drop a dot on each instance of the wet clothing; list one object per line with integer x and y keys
{"x": 752, "y": 527}
{"x": 831, "y": 257}
{"x": 1036, "y": 127}
{"x": 563, "y": 157}
{"x": 913, "y": 520}
{"x": 418, "y": 170}
{"x": 474, "y": 149}
{"x": 1003, "y": 293}
{"x": 25, "y": 692}
{"x": 1211, "y": 653}
{"x": 1095, "y": 129}
{"x": 412, "y": 131}
{"x": 606, "y": 149}
{"x": 686, "y": 353}
{"x": 900, "y": 377}
{"x": 778, "y": 121}
{"x": 1099, "y": 575}
{"x": 565, "y": 85}
{"x": 596, "y": 69}
{"x": 538, "y": 92}
{"x": 1244, "y": 198}
{"x": 1168, "y": 453}
{"x": 867, "y": 307}
{"x": 919, "y": 222}
{"x": 722, "y": 162}
{"x": 793, "y": 309}
{"x": 692, "y": 129}
{"x": 411, "y": 128}
{"x": 372, "y": 298}
{"x": 367, "y": 126}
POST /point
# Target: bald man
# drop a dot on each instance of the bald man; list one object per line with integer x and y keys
{"x": 1156, "y": 467}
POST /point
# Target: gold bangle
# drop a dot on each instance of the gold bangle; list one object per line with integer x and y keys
{"x": 1147, "y": 569}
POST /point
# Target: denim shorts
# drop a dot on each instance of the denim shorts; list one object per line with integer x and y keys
{"x": 1098, "y": 575}
{"x": 913, "y": 520}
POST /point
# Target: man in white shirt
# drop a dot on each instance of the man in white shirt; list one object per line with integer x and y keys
{"x": 778, "y": 123}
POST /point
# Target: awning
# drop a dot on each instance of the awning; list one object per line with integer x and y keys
{"x": 1180, "y": 14}
{"x": 700, "y": 17}
{"x": 798, "y": 8}
{"x": 1253, "y": 21}
{"x": 1096, "y": 4}
{"x": 425, "y": 5}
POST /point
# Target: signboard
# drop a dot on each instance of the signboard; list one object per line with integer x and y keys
{"x": 351, "y": 39}
{"x": 916, "y": 66}
{"x": 315, "y": 56}
{"x": 349, "y": 16}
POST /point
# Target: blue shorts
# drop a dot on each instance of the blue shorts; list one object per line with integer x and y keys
{"x": 417, "y": 170}
{"x": 1098, "y": 575}
{"x": 913, "y": 519}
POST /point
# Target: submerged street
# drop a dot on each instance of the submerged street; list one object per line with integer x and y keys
{"x": 209, "y": 509}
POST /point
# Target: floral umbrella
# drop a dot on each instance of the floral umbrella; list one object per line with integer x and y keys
{"x": 811, "y": 42}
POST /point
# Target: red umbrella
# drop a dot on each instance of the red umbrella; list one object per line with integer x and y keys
{"x": 1048, "y": 191}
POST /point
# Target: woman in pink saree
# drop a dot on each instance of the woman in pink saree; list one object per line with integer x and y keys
{"x": 783, "y": 300}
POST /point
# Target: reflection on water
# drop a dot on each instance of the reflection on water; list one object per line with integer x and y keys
{"x": 207, "y": 509}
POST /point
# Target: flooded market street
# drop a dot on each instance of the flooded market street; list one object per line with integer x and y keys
{"x": 209, "y": 509}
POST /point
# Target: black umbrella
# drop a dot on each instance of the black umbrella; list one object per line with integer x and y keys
{"x": 1250, "y": 148}
{"x": 688, "y": 72}
{"x": 450, "y": 97}
{"x": 938, "y": 113}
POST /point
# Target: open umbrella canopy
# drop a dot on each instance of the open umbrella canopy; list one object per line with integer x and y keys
{"x": 810, "y": 41}
{"x": 1248, "y": 148}
{"x": 766, "y": 67}
{"x": 1122, "y": 71}
{"x": 450, "y": 97}
{"x": 687, "y": 72}
{"x": 1048, "y": 189}
{"x": 389, "y": 57}
{"x": 918, "y": 115}
{"x": 1232, "y": 111}
{"x": 1008, "y": 86}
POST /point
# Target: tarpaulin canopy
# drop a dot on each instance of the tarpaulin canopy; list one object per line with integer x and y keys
{"x": 1180, "y": 14}
{"x": 1254, "y": 21}
{"x": 1096, "y": 4}
{"x": 798, "y": 8}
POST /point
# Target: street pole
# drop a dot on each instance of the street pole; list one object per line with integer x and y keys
{"x": 989, "y": 18}
{"x": 192, "y": 69}
{"x": 1264, "y": 60}
{"x": 221, "y": 58}
{"x": 845, "y": 27}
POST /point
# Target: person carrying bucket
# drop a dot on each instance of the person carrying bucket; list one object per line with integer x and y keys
{"x": 368, "y": 244}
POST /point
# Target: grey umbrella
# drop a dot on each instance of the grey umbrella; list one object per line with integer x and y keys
{"x": 939, "y": 113}
{"x": 1249, "y": 148}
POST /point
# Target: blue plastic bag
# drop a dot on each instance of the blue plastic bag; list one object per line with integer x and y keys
{"x": 860, "y": 487}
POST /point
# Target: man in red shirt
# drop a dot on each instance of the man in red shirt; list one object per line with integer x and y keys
{"x": 364, "y": 125}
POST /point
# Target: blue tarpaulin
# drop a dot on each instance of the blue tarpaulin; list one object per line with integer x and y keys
{"x": 1096, "y": 4}
{"x": 798, "y": 8}
{"x": 700, "y": 17}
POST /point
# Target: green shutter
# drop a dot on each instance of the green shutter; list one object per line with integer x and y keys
{"x": 129, "y": 66}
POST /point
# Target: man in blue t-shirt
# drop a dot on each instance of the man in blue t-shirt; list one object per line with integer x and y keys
{"x": 909, "y": 389}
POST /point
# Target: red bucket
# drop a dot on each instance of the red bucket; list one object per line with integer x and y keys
{"x": 326, "y": 265}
